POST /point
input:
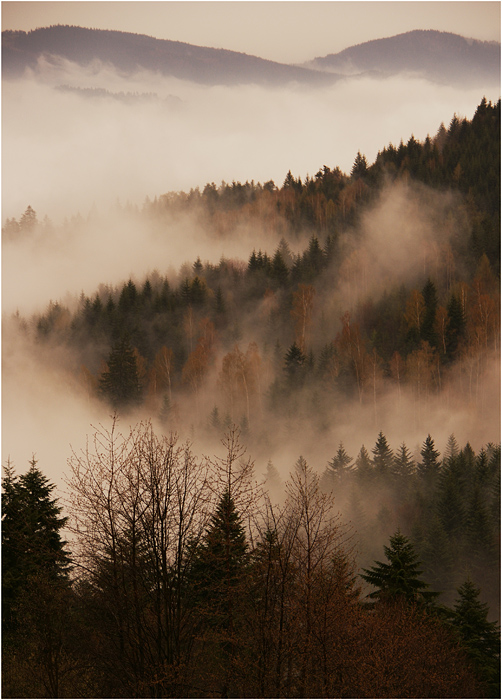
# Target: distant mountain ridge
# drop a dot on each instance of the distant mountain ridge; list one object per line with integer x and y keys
{"x": 438, "y": 56}
{"x": 441, "y": 57}
{"x": 129, "y": 52}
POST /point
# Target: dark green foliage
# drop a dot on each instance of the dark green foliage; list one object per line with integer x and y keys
{"x": 403, "y": 465}
{"x": 31, "y": 540}
{"x": 360, "y": 166}
{"x": 295, "y": 365}
{"x": 436, "y": 554}
{"x": 119, "y": 384}
{"x": 383, "y": 457}
{"x": 279, "y": 270}
{"x": 337, "y": 470}
{"x": 428, "y": 468}
{"x": 480, "y": 637}
{"x": 456, "y": 326}
{"x": 220, "y": 561}
{"x": 364, "y": 466}
{"x": 398, "y": 579}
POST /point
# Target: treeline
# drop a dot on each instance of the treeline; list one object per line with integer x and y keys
{"x": 464, "y": 157}
{"x": 258, "y": 334}
{"x": 185, "y": 579}
{"x": 448, "y": 504}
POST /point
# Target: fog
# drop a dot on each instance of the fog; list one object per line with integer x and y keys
{"x": 46, "y": 408}
{"x": 64, "y": 151}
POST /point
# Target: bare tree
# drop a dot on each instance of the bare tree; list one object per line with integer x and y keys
{"x": 138, "y": 504}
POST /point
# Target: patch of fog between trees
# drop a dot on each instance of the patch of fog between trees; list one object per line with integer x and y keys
{"x": 64, "y": 151}
{"x": 45, "y": 407}
{"x": 410, "y": 229}
{"x": 46, "y": 412}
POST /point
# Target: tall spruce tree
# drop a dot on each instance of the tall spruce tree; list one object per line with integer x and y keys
{"x": 399, "y": 579}
{"x": 220, "y": 562}
{"x": 383, "y": 457}
{"x": 120, "y": 382}
{"x": 31, "y": 537}
{"x": 337, "y": 469}
{"x": 480, "y": 637}
{"x": 430, "y": 465}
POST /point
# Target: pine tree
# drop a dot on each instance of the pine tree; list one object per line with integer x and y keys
{"x": 337, "y": 469}
{"x": 430, "y": 465}
{"x": 218, "y": 581}
{"x": 399, "y": 578}
{"x": 295, "y": 365}
{"x": 272, "y": 479}
{"x": 120, "y": 382}
{"x": 452, "y": 448}
{"x": 31, "y": 539}
{"x": 383, "y": 456}
{"x": 436, "y": 554}
{"x": 364, "y": 466}
{"x": 480, "y": 637}
{"x": 222, "y": 558}
{"x": 279, "y": 270}
{"x": 359, "y": 167}
{"x": 403, "y": 464}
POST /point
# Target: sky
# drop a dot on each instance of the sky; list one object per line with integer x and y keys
{"x": 287, "y": 32}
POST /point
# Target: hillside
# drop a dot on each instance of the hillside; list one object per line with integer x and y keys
{"x": 439, "y": 56}
{"x": 358, "y": 365}
{"x": 132, "y": 52}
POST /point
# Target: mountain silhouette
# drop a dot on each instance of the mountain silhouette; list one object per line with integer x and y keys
{"x": 129, "y": 53}
{"x": 437, "y": 56}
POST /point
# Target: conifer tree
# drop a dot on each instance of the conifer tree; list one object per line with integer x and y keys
{"x": 383, "y": 456}
{"x": 120, "y": 382}
{"x": 337, "y": 469}
{"x": 218, "y": 580}
{"x": 364, "y": 466}
{"x": 480, "y": 637}
{"x": 403, "y": 464}
{"x": 430, "y": 465}
{"x": 399, "y": 579}
{"x": 31, "y": 538}
{"x": 452, "y": 448}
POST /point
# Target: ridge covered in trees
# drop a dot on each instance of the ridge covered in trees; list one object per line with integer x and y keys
{"x": 187, "y": 579}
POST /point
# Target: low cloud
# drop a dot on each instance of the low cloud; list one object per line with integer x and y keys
{"x": 64, "y": 152}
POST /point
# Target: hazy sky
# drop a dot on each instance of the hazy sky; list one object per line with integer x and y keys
{"x": 280, "y": 31}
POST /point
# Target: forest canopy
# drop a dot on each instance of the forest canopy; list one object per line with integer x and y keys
{"x": 347, "y": 350}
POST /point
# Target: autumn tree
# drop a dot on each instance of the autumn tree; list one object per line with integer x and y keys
{"x": 239, "y": 377}
{"x": 162, "y": 371}
{"x": 303, "y": 304}
{"x": 415, "y": 314}
{"x": 352, "y": 348}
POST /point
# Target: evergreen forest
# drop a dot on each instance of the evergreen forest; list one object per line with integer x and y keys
{"x": 343, "y": 540}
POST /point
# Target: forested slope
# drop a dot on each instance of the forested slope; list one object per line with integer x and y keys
{"x": 375, "y": 308}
